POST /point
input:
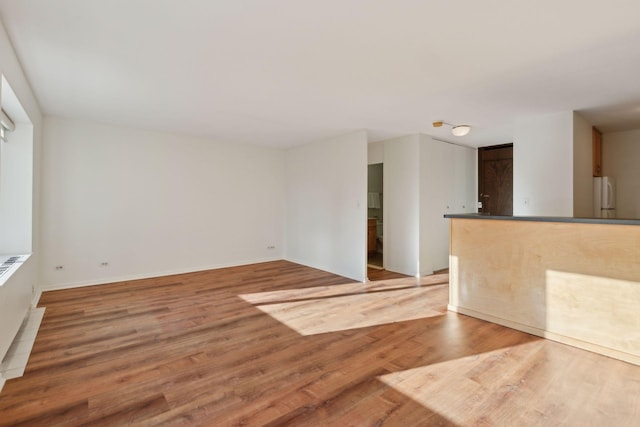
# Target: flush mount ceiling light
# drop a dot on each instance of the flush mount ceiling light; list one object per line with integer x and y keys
{"x": 461, "y": 130}
{"x": 457, "y": 130}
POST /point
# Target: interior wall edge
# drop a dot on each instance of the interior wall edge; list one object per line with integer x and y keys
{"x": 321, "y": 268}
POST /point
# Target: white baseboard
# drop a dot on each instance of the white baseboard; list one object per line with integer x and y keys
{"x": 126, "y": 278}
{"x": 36, "y": 298}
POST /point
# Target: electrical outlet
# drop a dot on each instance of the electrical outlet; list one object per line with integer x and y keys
{"x": 59, "y": 267}
{"x": 104, "y": 264}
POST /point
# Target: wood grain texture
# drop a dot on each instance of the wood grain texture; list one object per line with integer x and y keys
{"x": 495, "y": 179}
{"x": 579, "y": 281}
{"x": 375, "y": 274}
{"x": 197, "y": 349}
{"x": 597, "y": 151}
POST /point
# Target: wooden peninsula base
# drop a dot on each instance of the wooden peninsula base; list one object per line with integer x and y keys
{"x": 576, "y": 281}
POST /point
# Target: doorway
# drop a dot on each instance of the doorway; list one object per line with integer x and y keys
{"x": 375, "y": 203}
{"x": 495, "y": 180}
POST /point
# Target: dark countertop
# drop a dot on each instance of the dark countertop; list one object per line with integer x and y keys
{"x": 616, "y": 221}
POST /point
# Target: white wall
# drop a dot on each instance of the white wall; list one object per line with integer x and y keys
{"x": 582, "y": 167}
{"x": 424, "y": 179}
{"x": 543, "y": 165}
{"x": 16, "y": 293}
{"x": 151, "y": 203}
{"x": 402, "y": 204}
{"x": 436, "y": 161}
{"x": 326, "y": 201}
{"x": 448, "y": 175}
{"x": 375, "y": 152}
{"x": 621, "y": 160}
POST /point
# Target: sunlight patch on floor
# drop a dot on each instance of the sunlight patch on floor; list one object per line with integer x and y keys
{"x": 337, "y": 308}
{"x": 466, "y": 390}
{"x": 288, "y": 295}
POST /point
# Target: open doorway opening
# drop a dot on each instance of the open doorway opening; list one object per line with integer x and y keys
{"x": 375, "y": 221}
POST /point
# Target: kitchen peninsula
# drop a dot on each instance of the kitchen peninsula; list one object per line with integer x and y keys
{"x": 572, "y": 280}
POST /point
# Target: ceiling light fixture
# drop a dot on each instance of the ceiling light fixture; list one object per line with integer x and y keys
{"x": 457, "y": 130}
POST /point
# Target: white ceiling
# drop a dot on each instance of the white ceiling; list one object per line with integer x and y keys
{"x": 287, "y": 72}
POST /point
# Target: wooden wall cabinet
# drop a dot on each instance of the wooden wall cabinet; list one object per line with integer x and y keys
{"x": 597, "y": 152}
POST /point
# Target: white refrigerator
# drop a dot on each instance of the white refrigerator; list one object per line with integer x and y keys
{"x": 604, "y": 197}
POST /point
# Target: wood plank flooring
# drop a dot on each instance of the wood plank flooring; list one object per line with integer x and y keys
{"x": 380, "y": 274}
{"x": 282, "y": 344}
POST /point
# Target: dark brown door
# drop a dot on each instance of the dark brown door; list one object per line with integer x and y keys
{"x": 495, "y": 179}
